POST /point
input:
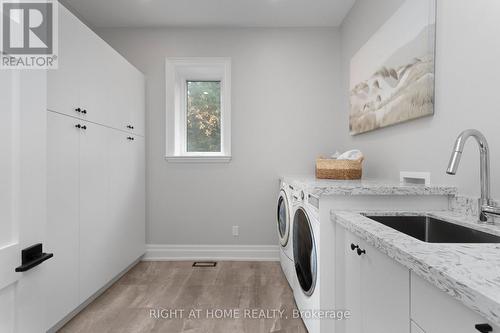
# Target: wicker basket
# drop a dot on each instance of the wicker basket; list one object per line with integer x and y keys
{"x": 339, "y": 169}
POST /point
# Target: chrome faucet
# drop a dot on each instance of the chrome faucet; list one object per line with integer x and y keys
{"x": 486, "y": 208}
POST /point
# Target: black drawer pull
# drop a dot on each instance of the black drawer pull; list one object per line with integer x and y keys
{"x": 484, "y": 328}
{"x": 354, "y": 247}
{"x": 360, "y": 252}
{"x": 84, "y": 127}
{"x": 130, "y": 138}
{"x": 78, "y": 110}
{"x": 32, "y": 257}
{"x": 78, "y": 126}
{"x": 130, "y": 126}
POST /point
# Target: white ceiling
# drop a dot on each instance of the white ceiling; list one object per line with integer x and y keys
{"x": 211, "y": 13}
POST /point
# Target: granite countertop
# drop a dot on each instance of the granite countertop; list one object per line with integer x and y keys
{"x": 325, "y": 187}
{"x": 469, "y": 273}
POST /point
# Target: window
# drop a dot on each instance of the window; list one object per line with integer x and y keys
{"x": 198, "y": 109}
{"x": 203, "y": 116}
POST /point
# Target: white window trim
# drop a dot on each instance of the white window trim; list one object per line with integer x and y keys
{"x": 177, "y": 72}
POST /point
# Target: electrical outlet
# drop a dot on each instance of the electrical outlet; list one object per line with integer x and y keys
{"x": 236, "y": 230}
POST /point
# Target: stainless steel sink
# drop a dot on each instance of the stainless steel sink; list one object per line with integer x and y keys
{"x": 431, "y": 230}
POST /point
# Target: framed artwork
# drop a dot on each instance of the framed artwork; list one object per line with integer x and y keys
{"x": 392, "y": 75}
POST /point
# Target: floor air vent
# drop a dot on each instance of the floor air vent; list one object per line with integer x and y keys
{"x": 204, "y": 264}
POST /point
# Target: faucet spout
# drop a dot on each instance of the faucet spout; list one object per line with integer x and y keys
{"x": 454, "y": 162}
{"x": 484, "y": 150}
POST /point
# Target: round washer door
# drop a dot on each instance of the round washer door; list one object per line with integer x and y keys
{"x": 304, "y": 252}
{"x": 283, "y": 219}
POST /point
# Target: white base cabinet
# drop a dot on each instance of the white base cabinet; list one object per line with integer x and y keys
{"x": 377, "y": 290}
{"x": 96, "y": 167}
{"x": 436, "y": 312}
{"x": 385, "y": 297}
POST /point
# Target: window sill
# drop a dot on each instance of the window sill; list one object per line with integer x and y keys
{"x": 198, "y": 159}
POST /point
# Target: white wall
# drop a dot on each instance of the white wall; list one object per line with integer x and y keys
{"x": 467, "y": 89}
{"x": 285, "y": 95}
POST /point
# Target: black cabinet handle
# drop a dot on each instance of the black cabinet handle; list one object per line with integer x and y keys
{"x": 130, "y": 126}
{"x": 354, "y": 247}
{"x": 32, "y": 257}
{"x": 84, "y": 127}
{"x": 78, "y": 126}
{"x": 80, "y": 110}
{"x": 360, "y": 252}
{"x": 130, "y": 138}
{"x": 484, "y": 328}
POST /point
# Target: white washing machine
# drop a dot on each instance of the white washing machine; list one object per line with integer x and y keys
{"x": 306, "y": 249}
{"x": 284, "y": 228}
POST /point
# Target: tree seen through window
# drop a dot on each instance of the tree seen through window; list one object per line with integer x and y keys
{"x": 203, "y": 116}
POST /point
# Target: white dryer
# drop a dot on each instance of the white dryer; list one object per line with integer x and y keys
{"x": 284, "y": 228}
{"x": 306, "y": 249}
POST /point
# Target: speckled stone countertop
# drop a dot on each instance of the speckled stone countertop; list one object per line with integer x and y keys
{"x": 468, "y": 272}
{"x": 325, "y": 187}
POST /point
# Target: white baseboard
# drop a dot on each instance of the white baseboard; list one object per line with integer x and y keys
{"x": 161, "y": 252}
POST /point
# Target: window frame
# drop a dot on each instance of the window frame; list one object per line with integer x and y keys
{"x": 178, "y": 72}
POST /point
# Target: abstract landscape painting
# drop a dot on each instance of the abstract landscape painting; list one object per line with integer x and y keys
{"x": 392, "y": 75}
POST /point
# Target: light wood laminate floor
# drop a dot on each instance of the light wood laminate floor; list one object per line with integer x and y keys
{"x": 164, "y": 286}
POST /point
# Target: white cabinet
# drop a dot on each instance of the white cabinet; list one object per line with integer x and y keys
{"x": 385, "y": 293}
{"x": 63, "y": 162}
{"x": 377, "y": 290}
{"x": 130, "y": 114}
{"x": 96, "y": 228}
{"x": 353, "y": 282}
{"x": 93, "y": 82}
{"x": 98, "y": 91}
{"x": 137, "y": 101}
{"x": 435, "y": 312}
{"x": 121, "y": 189}
{"x": 63, "y": 83}
{"x": 96, "y": 167}
{"x": 384, "y": 297}
{"x": 137, "y": 209}
{"x": 127, "y": 190}
{"x": 96, "y": 208}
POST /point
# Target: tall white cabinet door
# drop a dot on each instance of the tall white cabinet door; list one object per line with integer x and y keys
{"x": 62, "y": 214}
{"x": 132, "y": 100}
{"x": 352, "y": 285}
{"x": 96, "y": 231}
{"x": 385, "y": 293}
{"x": 124, "y": 95}
{"x": 138, "y": 212}
{"x": 98, "y": 81}
{"x": 127, "y": 206}
{"x": 63, "y": 83}
{"x": 138, "y": 103}
{"x": 121, "y": 197}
